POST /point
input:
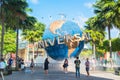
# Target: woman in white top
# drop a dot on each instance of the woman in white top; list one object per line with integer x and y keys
{"x": 93, "y": 64}
{"x": 2, "y": 65}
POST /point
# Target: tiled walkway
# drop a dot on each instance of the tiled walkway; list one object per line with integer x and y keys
{"x": 60, "y": 75}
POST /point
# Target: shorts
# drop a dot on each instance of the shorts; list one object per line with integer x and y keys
{"x": 31, "y": 66}
{"x": 87, "y": 68}
{"x": 65, "y": 65}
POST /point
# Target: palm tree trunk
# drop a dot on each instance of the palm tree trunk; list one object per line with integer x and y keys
{"x": 17, "y": 40}
{"x": 109, "y": 37}
{"x": 33, "y": 51}
{"x": 27, "y": 58}
{"x": 2, "y": 34}
{"x": 2, "y": 39}
{"x": 94, "y": 50}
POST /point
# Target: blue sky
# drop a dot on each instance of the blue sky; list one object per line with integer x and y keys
{"x": 46, "y": 11}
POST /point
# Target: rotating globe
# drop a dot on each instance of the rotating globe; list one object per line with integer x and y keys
{"x": 60, "y": 51}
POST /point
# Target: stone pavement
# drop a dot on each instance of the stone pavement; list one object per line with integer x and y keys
{"x": 38, "y": 74}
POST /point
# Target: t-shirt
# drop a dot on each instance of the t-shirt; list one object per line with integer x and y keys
{"x": 77, "y": 63}
{"x": 87, "y": 64}
{"x": 10, "y": 61}
{"x": 2, "y": 65}
{"x": 32, "y": 64}
{"x": 65, "y": 64}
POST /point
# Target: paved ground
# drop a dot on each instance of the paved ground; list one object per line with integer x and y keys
{"x": 60, "y": 75}
{"x": 56, "y": 73}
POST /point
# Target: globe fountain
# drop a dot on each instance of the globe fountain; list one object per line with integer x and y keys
{"x": 63, "y": 39}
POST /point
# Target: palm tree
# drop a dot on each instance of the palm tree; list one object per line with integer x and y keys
{"x": 106, "y": 11}
{"x": 95, "y": 37}
{"x": 95, "y": 34}
{"x": 15, "y": 11}
{"x": 9, "y": 42}
{"x": 35, "y": 34}
{"x": 2, "y": 18}
{"x": 7, "y": 10}
{"x": 22, "y": 20}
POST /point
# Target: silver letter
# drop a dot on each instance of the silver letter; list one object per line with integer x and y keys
{"x": 61, "y": 40}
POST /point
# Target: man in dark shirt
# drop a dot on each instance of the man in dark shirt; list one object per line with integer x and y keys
{"x": 87, "y": 64}
{"x": 10, "y": 61}
{"x": 77, "y": 66}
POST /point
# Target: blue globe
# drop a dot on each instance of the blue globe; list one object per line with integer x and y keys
{"x": 61, "y": 28}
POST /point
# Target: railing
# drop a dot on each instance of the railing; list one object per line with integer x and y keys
{"x": 56, "y": 66}
{"x": 71, "y": 67}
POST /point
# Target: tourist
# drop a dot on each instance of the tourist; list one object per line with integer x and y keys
{"x": 46, "y": 65}
{"x": 10, "y": 62}
{"x": 87, "y": 64}
{"x": 19, "y": 63}
{"x": 77, "y": 66}
{"x": 111, "y": 63}
{"x": 22, "y": 65}
{"x": 65, "y": 65}
{"x": 32, "y": 65}
{"x": 2, "y": 67}
{"x": 105, "y": 62}
{"x": 93, "y": 64}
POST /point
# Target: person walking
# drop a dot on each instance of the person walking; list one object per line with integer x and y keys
{"x": 93, "y": 61}
{"x": 22, "y": 65}
{"x": 46, "y": 65}
{"x": 2, "y": 67}
{"x": 65, "y": 65}
{"x": 10, "y": 62}
{"x": 19, "y": 64}
{"x": 32, "y": 65}
{"x": 77, "y": 66}
{"x": 87, "y": 64}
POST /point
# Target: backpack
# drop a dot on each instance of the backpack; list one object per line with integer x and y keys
{"x": 77, "y": 63}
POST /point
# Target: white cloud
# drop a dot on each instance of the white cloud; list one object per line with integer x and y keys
{"x": 89, "y": 4}
{"x": 34, "y": 1}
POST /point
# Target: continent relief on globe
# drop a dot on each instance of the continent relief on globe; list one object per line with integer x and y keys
{"x": 56, "y": 25}
{"x": 72, "y": 43}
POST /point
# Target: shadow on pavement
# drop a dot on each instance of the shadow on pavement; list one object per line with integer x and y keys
{"x": 52, "y": 75}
